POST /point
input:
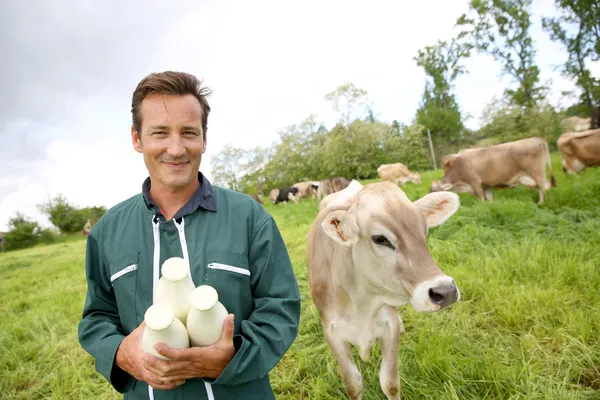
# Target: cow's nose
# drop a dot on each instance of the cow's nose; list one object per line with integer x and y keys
{"x": 444, "y": 295}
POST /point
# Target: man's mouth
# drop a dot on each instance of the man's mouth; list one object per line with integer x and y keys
{"x": 176, "y": 165}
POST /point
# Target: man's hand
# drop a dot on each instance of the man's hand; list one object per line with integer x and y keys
{"x": 129, "y": 359}
{"x": 194, "y": 362}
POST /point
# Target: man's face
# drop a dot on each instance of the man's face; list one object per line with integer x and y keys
{"x": 171, "y": 138}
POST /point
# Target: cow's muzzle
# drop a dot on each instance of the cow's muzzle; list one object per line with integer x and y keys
{"x": 445, "y": 294}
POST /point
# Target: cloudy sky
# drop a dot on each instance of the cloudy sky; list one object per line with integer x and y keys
{"x": 69, "y": 68}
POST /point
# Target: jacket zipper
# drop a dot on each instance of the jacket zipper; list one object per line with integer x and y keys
{"x": 155, "y": 273}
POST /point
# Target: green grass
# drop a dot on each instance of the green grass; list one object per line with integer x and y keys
{"x": 527, "y": 325}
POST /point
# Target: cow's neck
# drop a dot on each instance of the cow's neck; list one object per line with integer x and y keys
{"x": 359, "y": 315}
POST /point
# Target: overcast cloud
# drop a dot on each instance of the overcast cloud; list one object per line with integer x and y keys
{"x": 69, "y": 68}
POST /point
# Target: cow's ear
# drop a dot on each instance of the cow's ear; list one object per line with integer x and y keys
{"x": 446, "y": 186}
{"x": 437, "y": 207}
{"x": 340, "y": 226}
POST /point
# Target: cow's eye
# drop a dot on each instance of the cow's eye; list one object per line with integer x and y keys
{"x": 382, "y": 241}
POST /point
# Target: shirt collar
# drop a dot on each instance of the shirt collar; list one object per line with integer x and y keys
{"x": 203, "y": 197}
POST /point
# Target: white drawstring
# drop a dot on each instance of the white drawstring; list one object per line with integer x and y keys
{"x": 156, "y": 273}
{"x": 184, "y": 249}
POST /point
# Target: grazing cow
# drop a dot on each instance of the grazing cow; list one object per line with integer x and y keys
{"x": 255, "y": 197}
{"x": 577, "y": 124}
{"x": 328, "y": 186}
{"x": 398, "y": 173}
{"x": 367, "y": 254}
{"x": 579, "y": 150}
{"x": 284, "y": 195}
{"x": 499, "y": 166}
{"x": 307, "y": 188}
{"x": 87, "y": 228}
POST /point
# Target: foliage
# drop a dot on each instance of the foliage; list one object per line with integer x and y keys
{"x": 67, "y": 217}
{"x": 439, "y": 111}
{"x": 578, "y": 30}
{"x": 501, "y": 28}
{"x": 503, "y": 122}
{"x": 24, "y": 233}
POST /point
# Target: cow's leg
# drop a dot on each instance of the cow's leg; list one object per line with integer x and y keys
{"x": 388, "y": 374}
{"x": 478, "y": 189}
{"x": 348, "y": 369}
{"x": 488, "y": 194}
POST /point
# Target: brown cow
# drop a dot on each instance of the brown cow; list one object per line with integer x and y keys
{"x": 255, "y": 197}
{"x": 328, "y": 186}
{"x": 398, "y": 173}
{"x": 367, "y": 254}
{"x": 503, "y": 165}
{"x": 579, "y": 150}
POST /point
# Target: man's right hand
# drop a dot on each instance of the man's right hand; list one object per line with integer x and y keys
{"x": 129, "y": 359}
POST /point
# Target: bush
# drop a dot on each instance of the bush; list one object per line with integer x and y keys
{"x": 68, "y": 218}
{"x": 25, "y": 233}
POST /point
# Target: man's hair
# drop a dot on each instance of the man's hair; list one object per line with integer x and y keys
{"x": 170, "y": 83}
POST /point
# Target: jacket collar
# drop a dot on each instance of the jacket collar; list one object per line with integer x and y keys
{"x": 203, "y": 197}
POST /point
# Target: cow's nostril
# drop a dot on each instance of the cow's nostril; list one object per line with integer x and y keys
{"x": 435, "y": 297}
{"x": 444, "y": 295}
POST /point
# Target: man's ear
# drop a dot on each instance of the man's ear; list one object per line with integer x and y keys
{"x": 340, "y": 226}
{"x": 136, "y": 140}
{"x": 438, "y": 207}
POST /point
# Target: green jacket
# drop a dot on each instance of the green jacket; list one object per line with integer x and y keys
{"x": 232, "y": 245}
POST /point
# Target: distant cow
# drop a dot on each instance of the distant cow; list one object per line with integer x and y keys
{"x": 398, "y": 173}
{"x": 367, "y": 254}
{"x": 255, "y": 197}
{"x": 284, "y": 195}
{"x": 307, "y": 188}
{"x": 87, "y": 227}
{"x": 579, "y": 150}
{"x": 503, "y": 165}
{"x": 328, "y": 186}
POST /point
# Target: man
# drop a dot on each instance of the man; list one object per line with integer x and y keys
{"x": 231, "y": 243}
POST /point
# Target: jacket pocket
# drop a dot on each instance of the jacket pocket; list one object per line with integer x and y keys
{"x": 229, "y": 274}
{"x": 123, "y": 278}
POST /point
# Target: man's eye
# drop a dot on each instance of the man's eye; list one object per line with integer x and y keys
{"x": 158, "y": 133}
{"x": 382, "y": 241}
{"x": 190, "y": 133}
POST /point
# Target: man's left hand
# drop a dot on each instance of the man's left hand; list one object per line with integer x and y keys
{"x": 194, "y": 362}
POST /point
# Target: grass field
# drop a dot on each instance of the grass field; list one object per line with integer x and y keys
{"x": 527, "y": 325}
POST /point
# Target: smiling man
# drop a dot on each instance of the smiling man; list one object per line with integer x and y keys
{"x": 230, "y": 242}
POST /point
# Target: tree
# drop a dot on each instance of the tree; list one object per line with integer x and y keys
{"x": 439, "y": 111}
{"x": 226, "y": 167}
{"x": 501, "y": 28}
{"x": 578, "y": 30}
{"x": 345, "y": 99}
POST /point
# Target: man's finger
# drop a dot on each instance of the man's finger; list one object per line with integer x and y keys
{"x": 227, "y": 335}
{"x": 169, "y": 352}
{"x": 156, "y": 365}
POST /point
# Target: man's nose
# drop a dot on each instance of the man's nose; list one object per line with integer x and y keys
{"x": 176, "y": 147}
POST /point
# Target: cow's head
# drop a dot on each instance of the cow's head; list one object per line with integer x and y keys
{"x": 416, "y": 178}
{"x": 438, "y": 186}
{"x": 387, "y": 233}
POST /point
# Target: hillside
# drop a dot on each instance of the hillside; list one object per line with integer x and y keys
{"x": 527, "y": 325}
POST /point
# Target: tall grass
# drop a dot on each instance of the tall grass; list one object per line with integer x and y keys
{"x": 527, "y": 325}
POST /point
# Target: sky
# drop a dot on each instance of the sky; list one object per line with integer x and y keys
{"x": 69, "y": 69}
